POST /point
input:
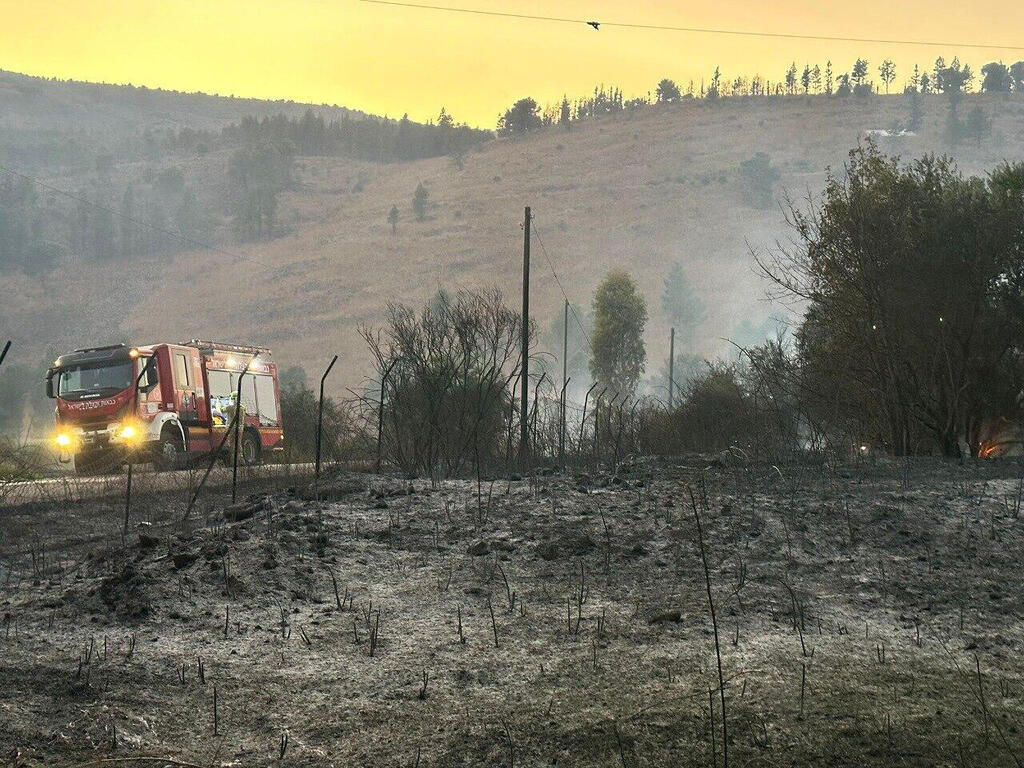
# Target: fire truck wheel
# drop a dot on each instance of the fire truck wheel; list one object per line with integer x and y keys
{"x": 250, "y": 449}
{"x": 168, "y": 452}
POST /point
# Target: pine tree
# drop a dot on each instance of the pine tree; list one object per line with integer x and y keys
{"x": 791, "y": 79}
{"x": 887, "y": 71}
{"x": 565, "y": 113}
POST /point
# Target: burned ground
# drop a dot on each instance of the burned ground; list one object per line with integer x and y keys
{"x": 867, "y": 614}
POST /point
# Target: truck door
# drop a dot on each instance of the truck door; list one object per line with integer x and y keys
{"x": 184, "y": 369}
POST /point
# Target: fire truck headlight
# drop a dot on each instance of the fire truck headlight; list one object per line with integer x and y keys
{"x": 63, "y": 440}
{"x": 127, "y": 432}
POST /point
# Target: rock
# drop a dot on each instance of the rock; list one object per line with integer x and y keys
{"x": 478, "y": 549}
{"x": 183, "y": 559}
{"x": 242, "y": 511}
{"x": 665, "y": 617}
{"x": 147, "y": 541}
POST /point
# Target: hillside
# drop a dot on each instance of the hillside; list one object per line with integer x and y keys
{"x": 35, "y": 103}
{"x": 638, "y": 191}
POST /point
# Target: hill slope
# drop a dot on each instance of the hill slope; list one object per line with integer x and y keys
{"x": 636, "y": 191}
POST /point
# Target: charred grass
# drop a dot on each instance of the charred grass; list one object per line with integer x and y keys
{"x": 868, "y": 615}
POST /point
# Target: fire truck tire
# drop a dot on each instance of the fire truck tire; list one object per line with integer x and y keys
{"x": 249, "y": 452}
{"x": 167, "y": 455}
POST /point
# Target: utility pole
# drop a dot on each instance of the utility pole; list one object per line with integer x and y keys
{"x": 524, "y": 422}
{"x": 671, "y": 366}
{"x": 565, "y": 381}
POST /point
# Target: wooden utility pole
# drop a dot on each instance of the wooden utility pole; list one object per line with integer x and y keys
{"x": 524, "y": 422}
{"x": 671, "y": 366}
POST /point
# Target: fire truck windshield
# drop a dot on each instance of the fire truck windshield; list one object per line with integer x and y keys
{"x": 83, "y": 381}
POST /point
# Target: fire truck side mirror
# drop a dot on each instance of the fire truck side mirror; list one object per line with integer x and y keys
{"x": 151, "y": 379}
{"x": 49, "y": 383}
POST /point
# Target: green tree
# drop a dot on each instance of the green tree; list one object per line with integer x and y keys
{"x": 681, "y": 305}
{"x": 393, "y": 218}
{"x": 419, "y": 201}
{"x": 791, "y": 79}
{"x": 887, "y": 71}
{"x": 715, "y": 88}
{"x": 617, "y": 354}
{"x": 522, "y": 117}
{"x": 914, "y": 288}
{"x": 1017, "y": 75}
{"x": 859, "y": 72}
{"x": 996, "y": 78}
{"x": 667, "y": 91}
{"x": 565, "y": 113}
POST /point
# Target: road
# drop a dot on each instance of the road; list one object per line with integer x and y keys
{"x": 72, "y": 488}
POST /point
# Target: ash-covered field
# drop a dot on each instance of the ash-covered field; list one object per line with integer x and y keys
{"x": 868, "y": 614}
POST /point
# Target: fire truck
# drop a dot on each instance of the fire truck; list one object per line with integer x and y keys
{"x": 165, "y": 403}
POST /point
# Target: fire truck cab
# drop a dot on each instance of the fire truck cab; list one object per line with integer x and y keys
{"x": 166, "y": 403}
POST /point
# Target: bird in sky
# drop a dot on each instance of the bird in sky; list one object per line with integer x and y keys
{"x": 595, "y": 24}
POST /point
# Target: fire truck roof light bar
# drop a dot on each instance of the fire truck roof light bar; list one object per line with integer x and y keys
{"x": 218, "y": 345}
{"x": 101, "y": 349}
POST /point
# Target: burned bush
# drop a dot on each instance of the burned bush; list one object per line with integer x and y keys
{"x": 446, "y": 373}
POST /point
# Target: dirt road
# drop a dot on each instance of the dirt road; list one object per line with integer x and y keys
{"x": 144, "y": 480}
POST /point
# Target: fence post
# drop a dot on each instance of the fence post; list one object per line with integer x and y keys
{"x": 511, "y": 419}
{"x": 239, "y": 418}
{"x": 209, "y": 467}
{"x": 380, "y": 413}
{"x": 597, "y": 423}
{"x": 583, "y": 420}
{"x": 536, "y": 408}
{"x": 131, "y": 452}
{"x": 319, "y": 428}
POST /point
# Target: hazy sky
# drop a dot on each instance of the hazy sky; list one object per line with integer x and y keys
{"x": 393, "y": 60}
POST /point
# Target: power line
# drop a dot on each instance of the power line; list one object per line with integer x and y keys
{"x": 178, "y": 235}
{"x": 597, "y": 25}
{"x": 554, "y": 274}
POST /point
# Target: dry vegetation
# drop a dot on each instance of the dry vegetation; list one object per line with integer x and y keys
{"x": 868, "y": 614}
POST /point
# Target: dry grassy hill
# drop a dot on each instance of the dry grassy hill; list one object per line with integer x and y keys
{"x": 637, "y": 191}
{"x": 35, "y": 103}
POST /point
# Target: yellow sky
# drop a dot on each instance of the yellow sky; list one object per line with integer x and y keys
{"x": 391, "y": 60}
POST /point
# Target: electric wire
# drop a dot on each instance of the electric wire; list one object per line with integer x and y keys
{"x": 695, "y": 30}
{"x": 558, "y": 282}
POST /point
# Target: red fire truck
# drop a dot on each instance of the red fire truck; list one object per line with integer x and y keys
{"x": 165, "y": 403}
